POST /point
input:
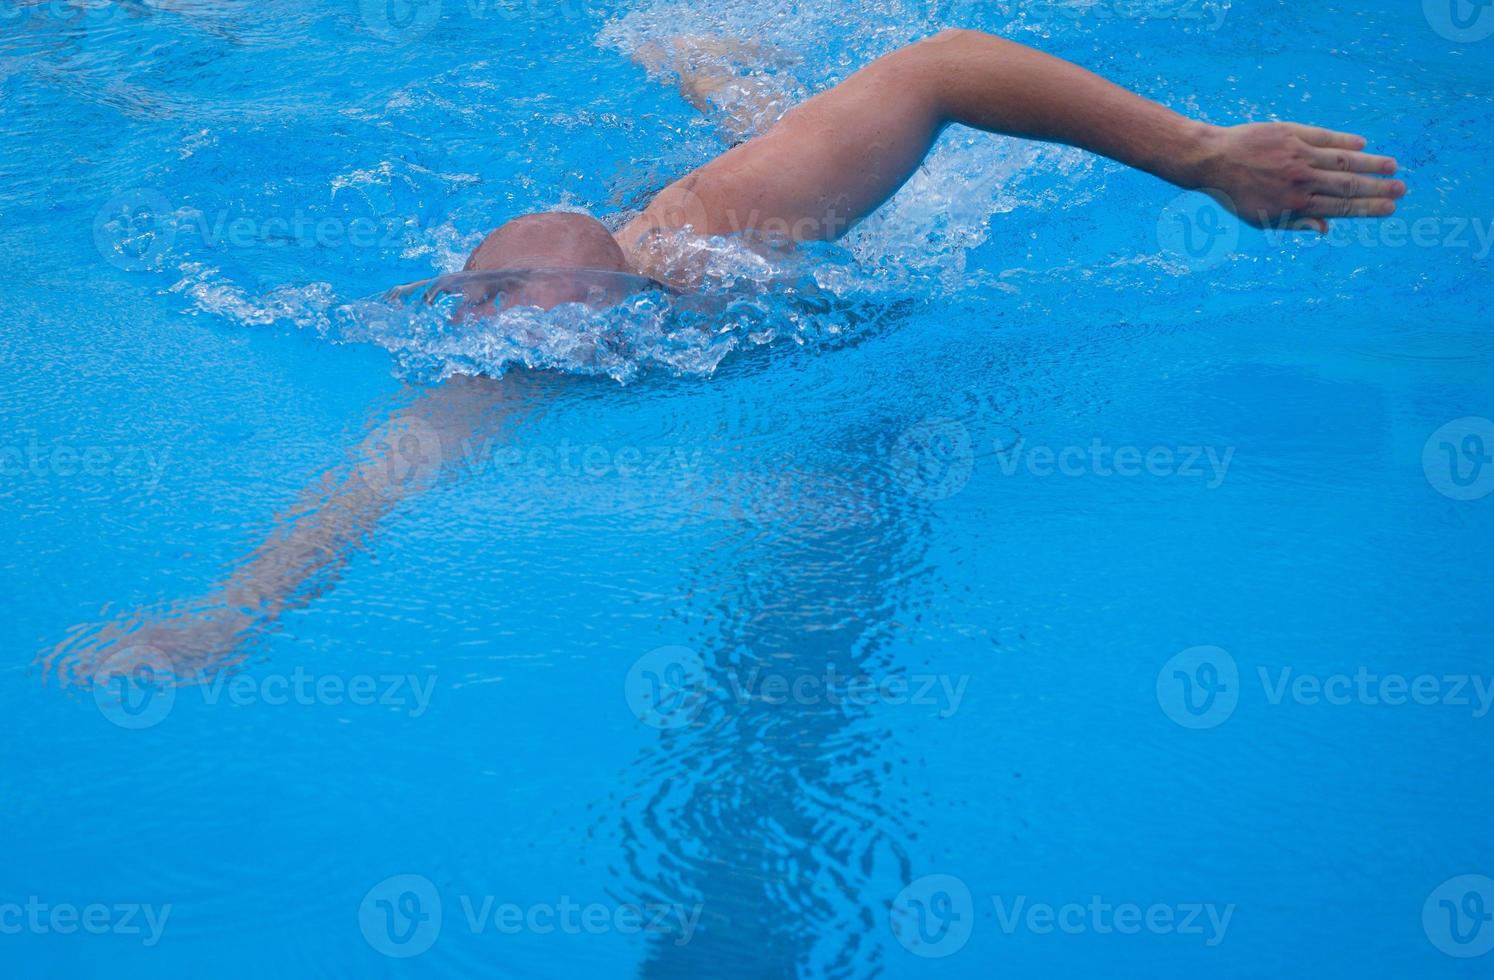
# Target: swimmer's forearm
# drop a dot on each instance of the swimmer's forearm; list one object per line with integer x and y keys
{"x": 408, "y": 453}
{"x": 1281, "y": 174}
{"x": 836, "y": 158}
{"x": 998, "y": 85}
{"x": 308, "y": 548}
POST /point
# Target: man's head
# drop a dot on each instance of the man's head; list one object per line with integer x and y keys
{"x": 553, "y": 240}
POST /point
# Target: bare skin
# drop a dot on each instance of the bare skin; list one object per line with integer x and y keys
{"x": 837, "y": 157}
{"x": 810, "y": 175}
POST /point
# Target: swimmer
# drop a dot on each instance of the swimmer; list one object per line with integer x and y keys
{"x": 838, "y": 156}
{"x": 809, "y": 175}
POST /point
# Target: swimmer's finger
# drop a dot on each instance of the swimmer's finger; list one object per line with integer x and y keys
{"x": 1328, "y": 137}
{"x": 1347, "y": 161}
{"x": 400, "y": 292}
{"x": 435, "y": 292}
{"x": 1337, "y": 184}
{"x": 1328, "y": 206}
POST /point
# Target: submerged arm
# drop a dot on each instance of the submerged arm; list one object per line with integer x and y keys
{"x": 404, "y": 455}
{"x": 310, "y": 542}
{"x": 840, "y": 155}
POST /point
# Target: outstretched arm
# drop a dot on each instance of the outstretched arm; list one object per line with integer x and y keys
{"x": 420, "y": 442}
{"x": 408, "y": 452}
{"x": 837, "y": 157}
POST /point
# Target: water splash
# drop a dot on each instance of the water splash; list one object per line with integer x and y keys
{"x": 743, "y": 297}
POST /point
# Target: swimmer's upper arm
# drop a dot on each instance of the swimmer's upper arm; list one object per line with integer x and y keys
{"x": 826, "y": 164}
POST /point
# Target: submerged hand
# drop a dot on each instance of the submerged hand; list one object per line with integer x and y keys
{"x": 189, "y": 642}
{"x": 1296, "y": 177}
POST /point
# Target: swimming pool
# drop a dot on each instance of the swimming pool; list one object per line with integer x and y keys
{"x": 1067, "y": 582}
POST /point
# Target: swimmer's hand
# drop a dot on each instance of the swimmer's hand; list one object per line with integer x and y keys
{"x": 183, "y": 644}
{"x": 726, "y": 78}
{"x": 1284, "y": 175}
{"x": 398, "y": 293}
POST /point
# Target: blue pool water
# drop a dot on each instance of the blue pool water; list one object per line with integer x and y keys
{"x": 1050, "y": 579}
